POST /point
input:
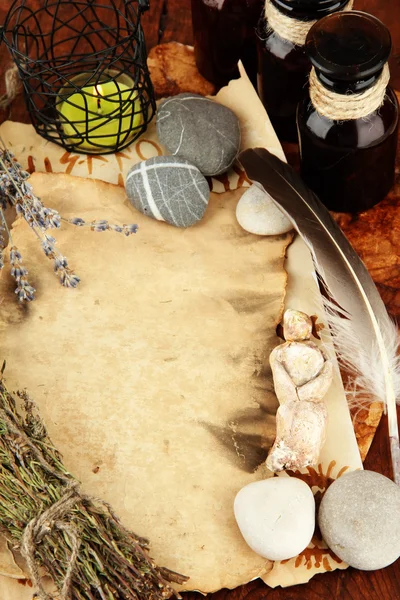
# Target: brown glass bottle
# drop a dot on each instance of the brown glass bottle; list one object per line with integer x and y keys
{"x": 349, "y": 164}
{"x": 283, "y": 66}
{"x": 224, "y": 33}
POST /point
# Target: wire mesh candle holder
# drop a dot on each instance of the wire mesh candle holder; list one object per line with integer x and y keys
{"x": 83, "y": 65}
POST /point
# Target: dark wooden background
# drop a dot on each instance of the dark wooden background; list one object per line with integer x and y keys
{"x": 170, "y": 20}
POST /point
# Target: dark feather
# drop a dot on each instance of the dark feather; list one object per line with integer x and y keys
{"x": 365, "y": 338}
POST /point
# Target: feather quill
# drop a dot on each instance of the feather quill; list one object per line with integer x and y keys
{"x": 365, "y": 338}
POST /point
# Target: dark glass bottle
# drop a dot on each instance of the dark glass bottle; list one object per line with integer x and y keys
{"x": 350, "y": 164}
{"x": 283, "y": 66}
{"x": 224, "y": 33}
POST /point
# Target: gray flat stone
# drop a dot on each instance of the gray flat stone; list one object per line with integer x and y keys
{"x": 199, "y": 130}
{"x": 359, "y": 518}
{"x": 168, "y": 189}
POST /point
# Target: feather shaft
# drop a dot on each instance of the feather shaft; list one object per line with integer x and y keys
{"x": 366, "y": 340}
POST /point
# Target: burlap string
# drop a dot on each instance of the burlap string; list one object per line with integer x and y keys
{"x": 293, "y": 30}
{"x": 343, "y": 107}
{"x": 42, "y": 525}
{"x": 13, "y": 85}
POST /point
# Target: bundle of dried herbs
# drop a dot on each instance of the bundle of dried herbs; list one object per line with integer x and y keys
{"x": 78, "y": 541}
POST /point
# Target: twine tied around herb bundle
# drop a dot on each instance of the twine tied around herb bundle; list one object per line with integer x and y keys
{"x": 344, "y": 107}
{"x": 51, "y": 518}
{"x": 42, "y": 525}
{"x": 288, "y": 28}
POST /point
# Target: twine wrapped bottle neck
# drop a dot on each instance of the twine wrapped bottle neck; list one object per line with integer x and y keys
{"x": 288, "y": 28}
{"x": 344, "y": 107}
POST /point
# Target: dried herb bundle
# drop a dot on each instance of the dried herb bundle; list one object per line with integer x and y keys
{"x": 77, "y": 540}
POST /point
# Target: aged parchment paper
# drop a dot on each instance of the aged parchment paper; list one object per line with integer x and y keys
{"x": 143, "y": 373}
{"x": 185, "y": 363}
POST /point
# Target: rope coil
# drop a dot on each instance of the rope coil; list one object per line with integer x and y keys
{"x": 292, "y": 30}
{"x": 344, "y": 107}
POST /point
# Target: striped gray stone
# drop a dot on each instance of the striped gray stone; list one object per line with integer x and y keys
{"x": 199, "y": 130}
{"x": 168, "y": 189}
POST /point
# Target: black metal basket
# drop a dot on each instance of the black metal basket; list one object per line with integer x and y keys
{"x": 83, "y": 65}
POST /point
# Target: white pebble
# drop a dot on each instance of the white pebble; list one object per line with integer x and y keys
{"x": 276, "y": 516}
{"x": 257, "y": 213}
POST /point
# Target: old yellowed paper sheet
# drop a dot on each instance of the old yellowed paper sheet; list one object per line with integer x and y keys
{"x": 153, "y": 375}
{"x": 146, "y": 371}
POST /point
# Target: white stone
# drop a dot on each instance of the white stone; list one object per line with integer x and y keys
{"x": 276, "y": 516}
{"x": 257, "y": 213}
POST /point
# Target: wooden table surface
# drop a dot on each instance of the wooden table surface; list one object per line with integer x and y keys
{"x": 170, "y": 20}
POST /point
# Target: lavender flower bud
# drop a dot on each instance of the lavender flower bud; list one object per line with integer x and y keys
{"x": 69, "y": 279}
{"x": 77, "y": 221}
{"x": 50, "y": 239}
{"x": 48, "y": 249}
{"x": 26, "y": 188}
{"x": 18, "y": 272}
{"x": 52, "y": 218}
{"x": 25, "y": 291}
{"x": 48, "y": 245}
{"x": 117, "y": 228}
{"x": 15, "y": 255}
{"x": 99, "y": 225}
{"x": 129, "y": 229}
{"x": 60, "y": 263}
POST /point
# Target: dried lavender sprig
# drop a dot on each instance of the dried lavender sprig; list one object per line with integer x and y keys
{"x": 46, "y": 217}
{"x": 17, "y": 192}
{"x": 102, "y": 225}
{"x": 66, "y": 275}
{"x": 31, "y": 207}
{"x": 24, "y": 290}
{"x": 39, "y": 218}
{"x": 11, "y": 171}
{"x": 20, "y": 194}
{"x": 3, "y": 238}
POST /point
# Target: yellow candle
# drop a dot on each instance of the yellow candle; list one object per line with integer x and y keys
{"x": 99, "y": 111}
